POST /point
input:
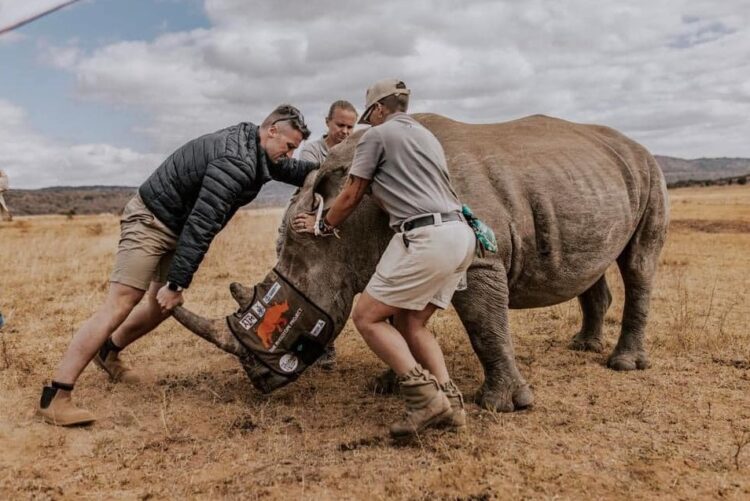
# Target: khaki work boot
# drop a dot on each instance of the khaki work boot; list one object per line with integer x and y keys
{"x": 456, "y": 418}
{"x": 426, "y": 404}
{"x": 58, "y": 409}
{"x": 108, "y": 359}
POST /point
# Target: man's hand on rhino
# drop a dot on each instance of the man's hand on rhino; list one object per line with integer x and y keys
{"x": 304, "y": 223}
{"x": 168, "y": 299}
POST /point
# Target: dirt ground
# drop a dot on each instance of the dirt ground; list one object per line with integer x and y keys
{"x": 197, "y": 429}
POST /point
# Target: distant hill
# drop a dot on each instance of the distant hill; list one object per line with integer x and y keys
{"x": 108, "y": 199}
{"x": 702, "y": 169}
{"x": 98, "y": 199}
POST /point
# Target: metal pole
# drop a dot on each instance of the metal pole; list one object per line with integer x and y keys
{"x": 35, "y": 17}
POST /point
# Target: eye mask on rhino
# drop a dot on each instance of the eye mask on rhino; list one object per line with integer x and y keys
{"x": 282, "y": 329}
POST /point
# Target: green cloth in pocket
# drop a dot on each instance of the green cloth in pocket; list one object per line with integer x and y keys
{"x": 485, "y": 235}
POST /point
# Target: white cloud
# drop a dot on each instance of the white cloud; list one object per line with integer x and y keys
{"x": 654, "y": 69}
{"x": 33, "y": 161}
{"x": 673, "y": 75}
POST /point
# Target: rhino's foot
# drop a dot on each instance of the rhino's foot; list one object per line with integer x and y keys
{"x": 585, "y": 342}
{"x": 505, "y": 399}
{"x": 385, "y": 383}
{"x": 628, "y": 361}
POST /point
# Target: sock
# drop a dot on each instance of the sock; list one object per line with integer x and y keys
{"x": 108, "y": 347}
{"x": 49, "y": 392}
{"x": 62, "y": 386}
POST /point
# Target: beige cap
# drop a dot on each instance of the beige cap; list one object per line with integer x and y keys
{"x": 379, "y": 90}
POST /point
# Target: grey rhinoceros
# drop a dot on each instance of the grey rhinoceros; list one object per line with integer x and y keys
{"x": 565, "y": 200}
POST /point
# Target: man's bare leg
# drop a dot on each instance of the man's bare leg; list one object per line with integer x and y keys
{"x": 384, "y": 340}
{"x": 426, "y": 404}
{"x": 120, "y": 301}
{"x": 422, "y": 343}
{"x": 56, "y": 406}
{"x": 143, "y": 319}
{"x": 425, "y": 348}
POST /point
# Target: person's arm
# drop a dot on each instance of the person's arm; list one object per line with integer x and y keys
{"x": 348, "y": 200}
{"x": 367, "y": 157}
{"x": 292, "y": 171}
{"x": 222, "y": 185}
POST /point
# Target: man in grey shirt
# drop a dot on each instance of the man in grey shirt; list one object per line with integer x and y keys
{"x": 405, "y": 166}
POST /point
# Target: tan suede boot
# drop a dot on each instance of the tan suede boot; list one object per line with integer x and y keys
{"x": 456, "y": 418}
{"x": 108, "y": 359}
{"x": 426, "y": 404}
{"x": 57, "y": 408}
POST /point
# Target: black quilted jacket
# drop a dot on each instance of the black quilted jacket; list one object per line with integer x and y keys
{"x": 199, "y": 187}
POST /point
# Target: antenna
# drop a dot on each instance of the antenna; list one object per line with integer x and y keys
{"x": 27, "y": 20}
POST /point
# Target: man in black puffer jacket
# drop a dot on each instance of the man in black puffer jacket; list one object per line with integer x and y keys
{"x": 166, "y": 230}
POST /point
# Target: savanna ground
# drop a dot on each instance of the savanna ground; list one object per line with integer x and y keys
{"x": 197, "y": 429}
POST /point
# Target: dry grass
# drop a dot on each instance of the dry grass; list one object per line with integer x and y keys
{"x": 197, "y": 429}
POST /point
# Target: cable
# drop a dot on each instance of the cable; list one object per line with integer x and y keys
{"x": 35, "y": 17}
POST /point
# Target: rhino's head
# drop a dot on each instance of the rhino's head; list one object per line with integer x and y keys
{"x": 328, "y": 270}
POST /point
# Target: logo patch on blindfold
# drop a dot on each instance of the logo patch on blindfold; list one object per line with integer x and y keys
{"x": 288, "y": 363}
{"x": 272, "y": 323}
{"x": 318, "y": 328}
{"x": 248, "y": 321}
{"x": 271, "y": 292}
{"x": 259, "y": 309}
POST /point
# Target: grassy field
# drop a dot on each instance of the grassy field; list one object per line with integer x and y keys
{"x": 197, "y": 429}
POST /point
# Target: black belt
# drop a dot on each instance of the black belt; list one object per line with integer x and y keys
{"x": 429, "y": 220}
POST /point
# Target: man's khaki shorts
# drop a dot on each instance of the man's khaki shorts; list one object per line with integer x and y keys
{"x": 427, "y": 271}
{"x": 146, "y": 247}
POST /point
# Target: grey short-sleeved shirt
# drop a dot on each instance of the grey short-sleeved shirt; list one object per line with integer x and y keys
{"x": 408, "y": 169}
{"x": 315, "y": 151}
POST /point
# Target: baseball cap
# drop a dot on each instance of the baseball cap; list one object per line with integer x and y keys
{"x": 379, "y": 90}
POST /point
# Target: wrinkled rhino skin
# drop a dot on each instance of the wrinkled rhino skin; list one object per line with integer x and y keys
{"x": 565, "y": 200}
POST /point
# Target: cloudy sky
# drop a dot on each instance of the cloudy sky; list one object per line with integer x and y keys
{"x": 102, "y": 91}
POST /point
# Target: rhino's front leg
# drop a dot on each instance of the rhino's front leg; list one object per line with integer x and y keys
{"x": 483, "y": 309}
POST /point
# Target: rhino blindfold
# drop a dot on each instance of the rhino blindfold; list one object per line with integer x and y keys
{"x": 281, "y": 327}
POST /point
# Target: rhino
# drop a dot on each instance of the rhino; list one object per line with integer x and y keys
{"x": 565, "y": 200}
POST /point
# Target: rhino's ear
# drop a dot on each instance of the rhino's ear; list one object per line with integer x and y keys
{"x": 329, "y": 184}
{"x": 305, "y": 198}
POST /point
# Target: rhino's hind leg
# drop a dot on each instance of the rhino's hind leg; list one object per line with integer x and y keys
{"x": 483, "y": 309}
{"x": 637, "y": 265}
{"x": 594, "y": 305}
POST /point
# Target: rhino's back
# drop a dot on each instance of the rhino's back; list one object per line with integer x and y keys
{"x": 563, "y": 198}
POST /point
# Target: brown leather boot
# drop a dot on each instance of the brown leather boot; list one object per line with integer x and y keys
{"x": 56, "y": 407}
{"x": 456, "y": 418}
{"x": 426, "y": 404}
{"x": 108, "y": 359}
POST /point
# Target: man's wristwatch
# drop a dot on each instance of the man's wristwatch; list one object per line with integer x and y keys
{"x": 174, "y": 287}
{"x": 324, "y": 228}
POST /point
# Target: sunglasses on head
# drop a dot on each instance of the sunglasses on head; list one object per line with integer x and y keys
{"x": 293, "y": 115}
{"x": 288, "y": 113}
